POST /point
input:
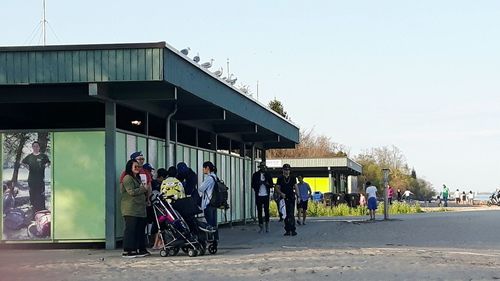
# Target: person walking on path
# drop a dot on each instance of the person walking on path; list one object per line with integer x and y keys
{"x": 445, "y": 193}
{"x": 457, "y": 197}
{"x": 470, "y": 197}
{"x": 390, "y": 194}
{"x": 286, "y": 187}
{"x": 371, "y": 193}
{"x": 133, "y": 207}
{"x": 36, "y": 163}
{"x": 261, "y": 185}
{"x": 304, "y": 195}
{"x": 205, "y": 191}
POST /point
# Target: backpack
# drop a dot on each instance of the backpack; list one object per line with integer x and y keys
{"x": 220, "y": 194}
{"x": 14, "y": 219}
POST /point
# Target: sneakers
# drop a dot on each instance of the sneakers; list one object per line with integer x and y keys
{"x": 260, "y": 228}
{"x": 294, "y": 233}
{"x": 298, "y": 222}
{"x": 143, "y": 253}
{"x": 287, "y": 233}
{"x": 129, "y": 255}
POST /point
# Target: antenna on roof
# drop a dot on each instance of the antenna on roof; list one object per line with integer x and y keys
{"x": 44, "y": 27}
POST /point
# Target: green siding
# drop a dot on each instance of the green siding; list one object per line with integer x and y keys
{"x": 20, "y": 67}
{"x": 121, "y": 160}
{"x": 79, "y": 176}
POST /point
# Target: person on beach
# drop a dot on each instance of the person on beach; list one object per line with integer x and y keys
{"x": 371, "y": 193}
{"x": 303, "y": 198}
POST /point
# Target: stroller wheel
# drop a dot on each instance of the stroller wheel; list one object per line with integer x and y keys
{"x": 164, "y": 253}
{"x": 192, "y": 253}
{"x": 488, "y": 203}
{"x": 174, "y": 251}
{"x": 212, "y": 249}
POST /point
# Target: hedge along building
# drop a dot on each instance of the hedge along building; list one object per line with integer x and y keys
{"x": 91, "y": 106}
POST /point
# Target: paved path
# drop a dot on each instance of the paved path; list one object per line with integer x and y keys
{"x": 431, "y": 246}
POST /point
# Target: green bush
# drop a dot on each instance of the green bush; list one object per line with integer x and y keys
{"x": 320, "y": 210}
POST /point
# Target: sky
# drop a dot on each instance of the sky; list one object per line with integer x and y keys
{"x": 423, "y": 76}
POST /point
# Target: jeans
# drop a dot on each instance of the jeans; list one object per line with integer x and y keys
{"x": 262, "y": 202}
{"x": 290, "y": 215}
{"x": 211, "y": 217}
{"x": 134, "y": 237}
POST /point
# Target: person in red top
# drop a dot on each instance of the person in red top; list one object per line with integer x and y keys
{"x": 143, "y": 173}
{"x": 390, "y": 194}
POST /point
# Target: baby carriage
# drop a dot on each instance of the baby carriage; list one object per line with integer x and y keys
{"x": 204, "y": 232}
{"x": 174, "y": 231}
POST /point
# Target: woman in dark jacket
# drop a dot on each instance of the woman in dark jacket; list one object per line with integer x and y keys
{"x": 133, "y": 207}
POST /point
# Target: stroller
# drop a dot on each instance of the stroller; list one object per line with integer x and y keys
{"x": 494, "y": 199}
{"x": 175, "y": 232}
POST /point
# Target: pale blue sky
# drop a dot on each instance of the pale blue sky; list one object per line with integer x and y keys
{"x": 421, "y": 75}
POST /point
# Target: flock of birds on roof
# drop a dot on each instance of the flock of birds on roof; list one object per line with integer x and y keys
{"x": 230, "y": 79}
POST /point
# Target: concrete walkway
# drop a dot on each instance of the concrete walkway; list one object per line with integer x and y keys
{"x": 430, "y": 246}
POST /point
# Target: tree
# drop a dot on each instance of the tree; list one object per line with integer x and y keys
{"x": 277, "y": 107}
{"x": 311, "y": 145}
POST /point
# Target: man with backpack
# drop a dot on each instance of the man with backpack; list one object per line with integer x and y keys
{"x": 206, "y": 191}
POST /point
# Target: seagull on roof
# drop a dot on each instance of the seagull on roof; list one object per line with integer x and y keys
{"x": 196, "y": 58}
{"x": 185, "y": 51}
{"x": 207, "y": 64}
{"x": 232, "y": 81}
{"x": 218, "y": 73}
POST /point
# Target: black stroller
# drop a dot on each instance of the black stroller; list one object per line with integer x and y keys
{"x": 176, "y": 233}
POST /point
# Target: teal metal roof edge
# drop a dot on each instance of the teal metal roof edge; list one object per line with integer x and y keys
{"x": 84, "y": 47}
{"x": 225, "y": 96}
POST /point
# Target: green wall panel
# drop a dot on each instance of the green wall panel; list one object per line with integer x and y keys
{"x": 121, "y": 161}
{"x": 79, "y": 180}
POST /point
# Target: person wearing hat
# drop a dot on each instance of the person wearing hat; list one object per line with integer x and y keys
{"x": 261, "y": 184}
{"x": 286, "y": 187}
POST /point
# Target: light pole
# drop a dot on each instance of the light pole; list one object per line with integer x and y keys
{"x": 386, "y": 199}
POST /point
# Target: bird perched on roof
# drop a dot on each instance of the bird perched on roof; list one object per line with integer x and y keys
{"x": 232, "y": 81}
{"x": 218, "y": 73}
{"x": 196, "y": 58}
{"x": 207, "y": 64}
{"x": 185, "y": 51}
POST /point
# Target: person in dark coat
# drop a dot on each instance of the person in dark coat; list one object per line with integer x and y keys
{"x": 261, "y": 184}
{"x": 189, "y": 180}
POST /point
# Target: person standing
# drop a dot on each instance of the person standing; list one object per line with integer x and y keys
{"x": 171, "y": 187}
{"x": 205, "y": 192}
{"x": 189, "y": 181}
{"x": 36, "y": 162}
{"x": 390, "y": 194}
{"x": 457, "y": 197}
{"x": 303, "y": 197}
{"x": 471, "y": 197}
{"x": 445, "y": 193}
{"x": 399, "y": 194}
{"x": 362, "y": 200}
{"x": 133, "y": 207}
{"x": 261, "y": 184}
{"x": 286, "y": 187}
{"x": 371, "y": 194}
{"x": 407, "y": 195}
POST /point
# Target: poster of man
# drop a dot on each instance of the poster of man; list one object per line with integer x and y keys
{"x": 26, "y": 186}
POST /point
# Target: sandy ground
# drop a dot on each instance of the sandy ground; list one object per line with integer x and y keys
{"x": 432, "y": 246}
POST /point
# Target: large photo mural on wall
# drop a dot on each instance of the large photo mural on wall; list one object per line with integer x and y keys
{"x": 27, "y": 186}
